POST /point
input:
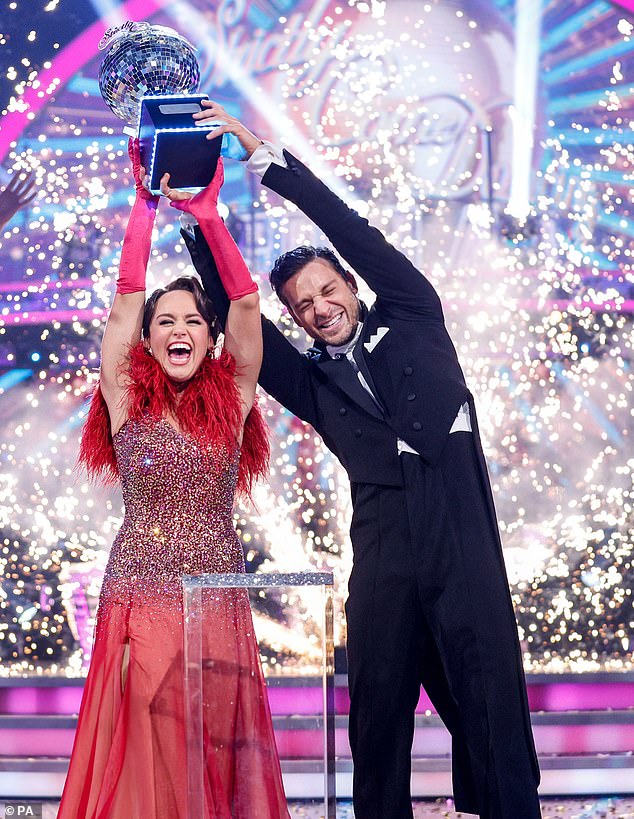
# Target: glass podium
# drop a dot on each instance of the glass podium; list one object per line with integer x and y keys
{"x": 254, "y": 644}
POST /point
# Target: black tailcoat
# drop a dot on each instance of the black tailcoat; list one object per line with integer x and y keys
{"x": 429, "y": 601}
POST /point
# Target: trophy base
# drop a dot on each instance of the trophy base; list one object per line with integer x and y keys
{"x": 187, "y": 156}
{"x": 171, "y": 143}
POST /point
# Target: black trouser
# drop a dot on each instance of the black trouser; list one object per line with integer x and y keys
{"x": 429, "y": 604}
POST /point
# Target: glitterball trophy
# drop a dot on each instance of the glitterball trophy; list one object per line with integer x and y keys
{"x": 148, "y": 79}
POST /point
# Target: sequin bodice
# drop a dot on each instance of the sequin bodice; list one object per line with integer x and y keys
{"x": 178, "y": 497}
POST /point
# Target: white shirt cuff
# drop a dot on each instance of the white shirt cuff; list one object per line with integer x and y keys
{"x": 263, "y": 156}
{"x": 188, "y": 222}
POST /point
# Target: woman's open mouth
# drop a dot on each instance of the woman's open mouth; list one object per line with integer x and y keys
{"x": 179, "y": 353}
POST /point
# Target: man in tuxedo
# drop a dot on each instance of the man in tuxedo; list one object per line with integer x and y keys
{"x": 428, "y": 601}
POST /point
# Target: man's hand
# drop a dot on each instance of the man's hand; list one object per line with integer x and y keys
{"x": 18, "y": 193}
{"x": 226, "y": 125}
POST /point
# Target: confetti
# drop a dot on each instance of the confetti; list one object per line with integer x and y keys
{"x": 392, "y": 102}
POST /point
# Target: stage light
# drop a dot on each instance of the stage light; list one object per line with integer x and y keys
{"x": 527, "y": 39}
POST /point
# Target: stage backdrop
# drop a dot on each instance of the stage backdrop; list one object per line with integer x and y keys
{"x": 413, "y": 112}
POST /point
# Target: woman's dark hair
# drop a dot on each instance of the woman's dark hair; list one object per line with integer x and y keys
{"x": 293, "y": 261}
{"x": 190, "y": 285}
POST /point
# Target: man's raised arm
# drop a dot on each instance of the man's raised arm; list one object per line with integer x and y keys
{"x": 386, "y": 270}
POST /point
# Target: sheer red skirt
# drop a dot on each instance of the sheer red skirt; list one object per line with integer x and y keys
{"x": 130, "y": 758}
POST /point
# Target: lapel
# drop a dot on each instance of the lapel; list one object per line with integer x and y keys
{"x": 341, "y": 373}
{"x": 362, "y": 364}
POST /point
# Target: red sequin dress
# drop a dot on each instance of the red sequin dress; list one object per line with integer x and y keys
{"x": 130, "y": 755}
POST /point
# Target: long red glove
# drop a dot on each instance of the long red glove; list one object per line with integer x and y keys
{"x": 137, "y": 241}
{"x": 234, "y": 273}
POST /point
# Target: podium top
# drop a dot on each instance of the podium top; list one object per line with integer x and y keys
{"x": 257, "y": 580}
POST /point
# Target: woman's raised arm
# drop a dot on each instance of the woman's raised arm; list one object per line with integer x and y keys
{"x": 123, "y": 329}
{"x": 243, "y": 329}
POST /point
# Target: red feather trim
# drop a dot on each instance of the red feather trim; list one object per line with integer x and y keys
{"x": 208, "y": 408}
{"x": 255, "y": 451}
{"x": 96, "y": 450}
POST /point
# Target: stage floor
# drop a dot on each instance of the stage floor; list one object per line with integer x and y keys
{"x": 588, "y": 808}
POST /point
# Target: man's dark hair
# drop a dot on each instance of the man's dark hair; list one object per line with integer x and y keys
{"x": 293, "y": 261}
{"x": 190, "y": 285}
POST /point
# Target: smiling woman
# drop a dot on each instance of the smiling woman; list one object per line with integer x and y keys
{"x": 175, "y": 422}
{"x": 178, "y": 327}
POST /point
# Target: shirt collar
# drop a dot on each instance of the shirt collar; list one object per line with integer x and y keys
{"x": 346, "y": 348}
